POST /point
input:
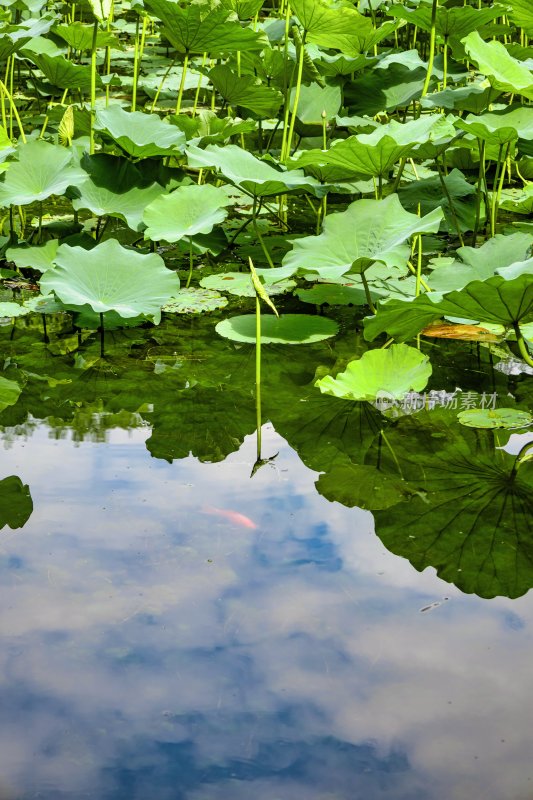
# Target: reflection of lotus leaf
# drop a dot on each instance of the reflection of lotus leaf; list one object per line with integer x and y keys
{"x": 15, "y": 502}
{"x": 9, "y": 393}
{"x": 472, "y": 519}
{"x": 203, "y": 422}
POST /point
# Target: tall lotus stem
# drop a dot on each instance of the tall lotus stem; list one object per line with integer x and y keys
{"x": 300, "y": 42}
{"x": 522, "y": 346}
{"x": 13, "y": 107}
{"x": 431, "y": 55}
{"x": 497, "y": 187}
{"x": 93, "y": 86}
{"x": 258, "y": 373}
{"x": 481, "y": 174}
{"x": 182, "y": 82}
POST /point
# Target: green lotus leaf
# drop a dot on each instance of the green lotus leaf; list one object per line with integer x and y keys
{"x": 129, "y": 206}
{"x": 474, "y": 97}
{"x": 245, "y": 9}
{"x": 360, "y": 485}
{"x": 14, "y": 37}
{"x": 9, "y": 392}
{"x": 376, "y": 153}
{"x": 40, "y": 257}
{"x": 314, "y": 101}
{"x": 61, "y": 72}
{"x": 198, "y": 28}
{"x": 9, "y": 309}
{"x": 16, "y": 504}
{"x": 504, "y": 302}
{"x": 519, "y": 201}
{"x": 80, "y": 36}
{"x": 141, "y": 135}
{"x": 456, "y": 22}
{"x": 495, "y": 418}
{"x": 428, "y": 194}
{"x": 480, "y": 263}
{"x": 195, "y": 301}
{"x": 187, "y": 211}
{"x": 392, "y": 372}
{"x": 500, "y": 127}
{"x": 471, "y": 520}
{"x": 240, "y": 283}
{"x": 245, "y": 91}
{"x": 250, "y": 173}
{"x": 368, "y": 231}
{"x": 522, "y": 15}
{"x": 41, "y": 171}
{"x": 334, "y": 294}
{"x": 44, "y": 304}
{"x": 111, "y": 278}
{"x": 503, "y": 71}
{"x": 286, "y": 329}
{"x": 341, "y": 28}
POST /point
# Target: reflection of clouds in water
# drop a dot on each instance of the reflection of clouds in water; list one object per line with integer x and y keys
{"x": 158, "y": 651}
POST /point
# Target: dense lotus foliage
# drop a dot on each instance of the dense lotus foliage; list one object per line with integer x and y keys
{"x": 373, "y": 159}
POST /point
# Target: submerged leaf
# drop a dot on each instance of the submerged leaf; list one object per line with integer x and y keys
{"x": 287, "y": 329}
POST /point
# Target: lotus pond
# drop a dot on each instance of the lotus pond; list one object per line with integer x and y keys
{"x": 266, "y": 324}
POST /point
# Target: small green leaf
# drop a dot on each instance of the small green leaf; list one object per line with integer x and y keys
{"x": 392, "y": 372}
{"x": 495, "y": 418}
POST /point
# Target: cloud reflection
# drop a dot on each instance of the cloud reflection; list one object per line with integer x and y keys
{"x": 152, "y": 650}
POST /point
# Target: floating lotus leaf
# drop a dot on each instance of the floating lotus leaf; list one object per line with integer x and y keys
{"x": 392, "y": 372}
{"x": 111, "y": 278}
{"x": 360, "y": 485}
{"x": 245, "y": 91}
{"x": 368, "y": 231}
{"x": 287, "y": 329}
{"x": 9, "y": 309}
{"x": 187, "y": 211}
{"x": 198, "y": 28}
{"x": 471, "y": 520}
{"x": 141, "y": 135}
{"x": 39, "y": 258}
{"x": 250, "y": 173}
{"x": 495, "y": 418}
{"x": 44, "y": 304}
{"x": 504, "y": 302}
{"x": 240, "y": 283}
{"x": 42, "y": 170}
{"x": 9, "y": 393}
{"x": 519, "y": 201}
{"x": 16, "y": 504}
{"x": 334, "y": 294}
{"x": 195, "y": 301}
{"x": 129, "y": 206}
{"x": 504, "y": 71}
{"x": 500, "y": 127}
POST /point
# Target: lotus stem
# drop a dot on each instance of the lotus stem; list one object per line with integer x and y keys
{"x": 431, "y": 55}
{"x": 522, "y": 346}
{"x": 450, "y": 202}
{"x": 255, "y": 210}
{"x": 258, "y": 373}
{"x": 367, "y": 294}
{"x": 159, "y": 88}
{"x": 93, "y": 87}
{"x": 13, "y": 107}
{"x": 182, "y": 82}
{"x": 481, "y": 173}
{"x": 497, "y": 188}
{"x": 191, "y": 264}
{"x": 301, "y": 53}
{"x": 197, "y": 94}
{"x": 102, "y": 354}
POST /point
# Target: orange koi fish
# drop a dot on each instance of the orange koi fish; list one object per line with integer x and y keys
{"x": 232, "y": 516}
